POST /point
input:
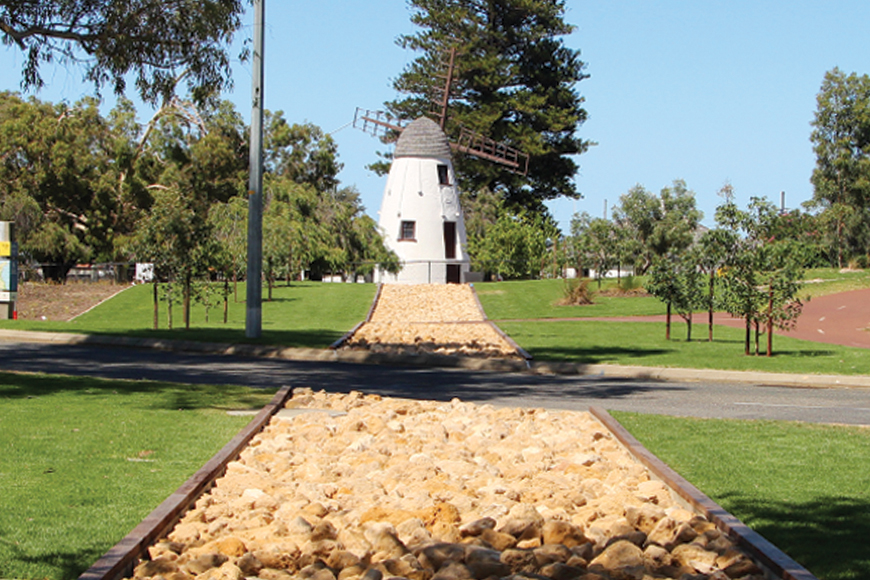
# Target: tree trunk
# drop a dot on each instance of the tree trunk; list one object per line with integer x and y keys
{"x": 169, "y": 303}
{"x": 226, "y": 298}
{"x": 689, "y": 328}
{"x": 186, "y": 298}
{"x": 757, "y": 332}
{"x": 668, "y": 324}
{"x": 710, "y": 310}
{"x": 770, "y": 325}
{"x": 156, "y": 302}
{"x": 746, "y": 350}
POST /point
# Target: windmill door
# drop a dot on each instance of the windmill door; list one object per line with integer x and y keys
{"x": 450, "y": 240}
{"x": 454, "y": 272}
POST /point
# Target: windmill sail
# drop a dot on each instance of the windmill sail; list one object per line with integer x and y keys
{"x": 496, "y": 151}
{"x": 440, "y": 98}
{"x": 376, "y": 123}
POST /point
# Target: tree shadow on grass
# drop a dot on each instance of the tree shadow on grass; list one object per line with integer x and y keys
{"x": 308, "y": 338}
{"x": 597, "y": 355}
{"x": 51, "y": 563}
{"x": 166, "y": 396}
{"x": 828, "y": 535}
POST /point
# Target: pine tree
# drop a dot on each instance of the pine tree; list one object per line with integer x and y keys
{"x": 514, "y": 81}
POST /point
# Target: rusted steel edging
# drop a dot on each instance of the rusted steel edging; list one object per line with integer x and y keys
{"x": 120, "y": 560}
{"x": 758, "y": 547}
{"x": 477, "y": 300}
{"x": 352, "y": 331}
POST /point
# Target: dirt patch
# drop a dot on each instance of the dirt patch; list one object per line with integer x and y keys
{"x": 43, "y": 301}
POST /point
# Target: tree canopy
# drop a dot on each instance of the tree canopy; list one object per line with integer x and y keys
{"x": 657, "y": 224}
{"x": 841, "y": 178}
{"x": 154, "y": 41}
{"x": 514, "y": 81}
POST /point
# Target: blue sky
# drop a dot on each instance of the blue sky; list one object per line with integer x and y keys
{"x": 708, "y": 91}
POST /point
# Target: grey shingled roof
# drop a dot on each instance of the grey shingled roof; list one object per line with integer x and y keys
{"x": 423, "y": 138}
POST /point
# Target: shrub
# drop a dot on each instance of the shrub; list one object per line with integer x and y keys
{"x": 576, "y": 292}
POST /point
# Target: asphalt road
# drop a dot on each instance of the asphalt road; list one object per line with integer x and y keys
{"x": 696, "y": 399}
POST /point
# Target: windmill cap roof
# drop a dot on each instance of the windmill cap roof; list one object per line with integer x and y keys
{"x": 423, "y": 138}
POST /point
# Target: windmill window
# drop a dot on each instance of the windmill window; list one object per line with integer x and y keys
{"x": 443, "y": 175}
{"x": 408, "y": 231}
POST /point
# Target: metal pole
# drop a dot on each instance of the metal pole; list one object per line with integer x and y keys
{"x": 254, "y": 313}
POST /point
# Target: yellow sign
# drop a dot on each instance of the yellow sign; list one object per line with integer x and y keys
{"x": 5, "y": 248}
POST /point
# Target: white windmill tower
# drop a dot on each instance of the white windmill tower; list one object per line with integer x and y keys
{"x": 421, "y": 218}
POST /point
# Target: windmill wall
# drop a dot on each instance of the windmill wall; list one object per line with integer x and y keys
{"x": 420, "y": 216}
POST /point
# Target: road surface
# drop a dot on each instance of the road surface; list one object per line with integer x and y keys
{"x": 696, "y": 399}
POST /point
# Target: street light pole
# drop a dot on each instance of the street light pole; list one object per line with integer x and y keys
{"x": 254, "y": 311}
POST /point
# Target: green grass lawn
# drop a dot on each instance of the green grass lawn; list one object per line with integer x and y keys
{"x": 822, "y": 281}
{"x": 83, "y": 461}
{"x": 530, "y": 299}
{"x": 806, "y": 488}
{"x": 305, "y": 314}
{"x": 644, "y": 344}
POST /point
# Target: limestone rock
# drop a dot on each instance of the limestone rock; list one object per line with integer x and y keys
{"x": 477, "y": 527}
{"x": 565, "y": 533}
{"x": 498, "y": 540}
{"x": 227, "y": 571}
{"x": 621, "y": 560}
{"x": 425, "y": 490}
{"x": 158, "y": 566}
{"x": 204, "y": 562}
{"x": 484, "y": 563}
{"x": 249, "y": 564}
{"x": 520, "y": 561}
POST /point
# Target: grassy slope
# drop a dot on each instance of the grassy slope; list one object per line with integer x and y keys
{"x": 306, "y": 314}
{"x": 804, "y": 487}
{"x": 82, "y": 461}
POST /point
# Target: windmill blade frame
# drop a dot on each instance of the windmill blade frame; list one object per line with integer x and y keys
{"x": 376, "y": 123}
{"x": 478, "y": 145}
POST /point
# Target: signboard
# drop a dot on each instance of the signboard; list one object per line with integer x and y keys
{"x": 8, "y": 280}
{"x": 5, "y": 249}
{"x": 9, "y": 274}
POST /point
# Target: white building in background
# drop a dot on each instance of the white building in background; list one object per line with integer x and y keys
{"x": 420, "y": 215}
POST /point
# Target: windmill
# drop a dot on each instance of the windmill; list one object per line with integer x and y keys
{"x": 420, "y": 212}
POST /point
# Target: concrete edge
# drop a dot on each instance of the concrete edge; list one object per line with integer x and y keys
{"x": 121, "y": 559}
{"x": 760, "y": 549}
{"x": 444, "y": 361}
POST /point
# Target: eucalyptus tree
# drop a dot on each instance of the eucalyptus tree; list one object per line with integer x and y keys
{"x": 150, "y": 42}
{"x": 595, "y": 240}
{"x": 229, "y": 226}
{"x": 195, "y": 158}
{"x": 676, "y": 280}
{"x": 712, "y": 254}
{"x": 302, "y": 153}
{"x": 762, "y": 273}
{"x": 63, "y": 179}
{"x": 841, "y": 178}
{"x": 657, "y": 225}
